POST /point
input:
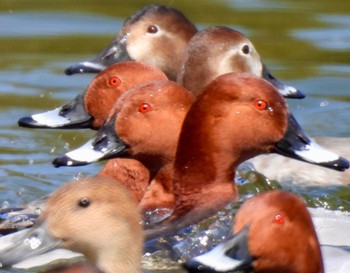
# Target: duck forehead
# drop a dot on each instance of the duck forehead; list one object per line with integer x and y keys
{"x": 243, "y": 87}
{"x": 162, "y": 16}
{"x": 169, "y": 22}
{"x": 93, "y": 189}
{"x": 131, "y": 73}
{"x": 157, "y": 92}
{"x": 220, "y": 35}
{"x": 264, "y": 207}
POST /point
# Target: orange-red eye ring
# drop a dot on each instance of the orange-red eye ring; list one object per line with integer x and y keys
{"x": 278, "y": 219}
{"x": 261, "y": 104}
{"x": 114, "y": 81}
{"x": 145, "y": 107}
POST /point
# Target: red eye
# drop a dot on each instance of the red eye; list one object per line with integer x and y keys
{"x": 152, "y": 29}
{"x": 278, "y": 219}
{"x": 114, "y": 81}
{"x": 144, "y": 108}
{"x": 260, "y": 104}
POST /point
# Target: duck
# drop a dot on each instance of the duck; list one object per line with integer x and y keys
{"x": 88, "y": 200}
{"x": 155, "y": 34}
{"x": 218, "y": 50}
{"x": 90, "y": 108}
{"x": 272, "y": 232}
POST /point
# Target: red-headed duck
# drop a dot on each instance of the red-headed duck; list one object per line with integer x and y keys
{"x": 236, "y": 117}
{"x": 104, "y": 243}
{"x": 218, "y": 50}
{"x": 155, "y": 34}
{"x": 91, "y": 108}
{"x": 273, "y": 232}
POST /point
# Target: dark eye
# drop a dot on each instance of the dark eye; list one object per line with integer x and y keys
{"x": 246, "y": 49}
{"x": 261, "y": 104}
{"x": 84, "y": 202}
{"x": 152, "y": 29}
{"x": 144, "y": 108}
{"x": 278, "y": 219}
{"x": 114, "y": 81}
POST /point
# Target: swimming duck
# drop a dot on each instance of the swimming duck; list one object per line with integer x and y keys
{"x": 90, "y": 108}
{"x": 88, "y": 201}
{"x": 155, "y": 34}
{"x": 273, "y": 232}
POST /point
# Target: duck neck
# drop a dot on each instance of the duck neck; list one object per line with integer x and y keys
{"x": 153, "y": 163}
{"x": 129, "y": 172}
{"x": 126, "y": 260}
{"x": 204, "y": 172}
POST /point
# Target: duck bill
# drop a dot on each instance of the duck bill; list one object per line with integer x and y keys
{"x": 26, "y": 244}
{"x": 229, "y": 256}
{"x": 116, "y": 52}
{"x": 71, "y": 115}
{"x": 105, "y": 145}
{"x": 296, "y": 144}
{"x": 285, "y": 90}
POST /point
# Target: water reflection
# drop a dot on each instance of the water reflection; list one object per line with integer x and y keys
{"x": 335, "y": 36}
{"x": 29, "y": 24}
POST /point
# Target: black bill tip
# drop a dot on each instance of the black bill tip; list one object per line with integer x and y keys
{"x": 341, "y": 164}
{"x": 29, "y": 122}
{"x": 65, "y": 161}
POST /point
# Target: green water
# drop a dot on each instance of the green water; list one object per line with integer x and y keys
{"x": 305, "y": 43}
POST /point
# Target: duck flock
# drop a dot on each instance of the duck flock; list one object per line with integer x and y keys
{"x": 176, "y": 112}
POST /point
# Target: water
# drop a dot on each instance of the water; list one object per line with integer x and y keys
{"x": 305, "y": 44}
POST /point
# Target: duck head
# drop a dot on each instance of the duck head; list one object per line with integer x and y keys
{"x": 156, "y": 34}
{"x": 91, "y": 108}
{"x": 273, "y": 232}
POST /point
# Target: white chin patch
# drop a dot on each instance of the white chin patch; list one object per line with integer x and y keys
{"x": 316, "y": 153}
{"x": 217, "y": 260}
{"x": 93, "y": 65}
{"x": 51, "y": 118}
{"x": 85, "y": 153}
